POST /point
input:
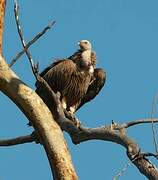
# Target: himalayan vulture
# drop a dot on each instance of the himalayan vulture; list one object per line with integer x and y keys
{"x": 76, "y": 78}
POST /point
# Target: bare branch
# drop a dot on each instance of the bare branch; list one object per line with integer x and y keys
{"x": 40, "y": 34}
{"x": 149, "y": 155}
{"x": 16, "y": 12}
{"x": 136, "y": 122}
{"x": 18, "y": 140}
{"x": 122, "y": 171}
{"x": 106, "y": 134}
{"x": 2, "y": 12}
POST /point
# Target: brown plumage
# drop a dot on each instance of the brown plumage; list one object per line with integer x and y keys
{"x": 77, "y": 55}
{"x": 75, "y": 78}
{"x": 97, "y": 79}
{"x": 97, "y": 82}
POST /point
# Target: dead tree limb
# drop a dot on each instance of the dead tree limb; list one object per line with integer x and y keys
{"x": 19, "y": 140}
{"x": 16, "y": 12}
{"x": 136, "y": 122}
{"x": 40, "y": 34}
{"x": 2, "y": 13}
{"x": 133, "y": 150}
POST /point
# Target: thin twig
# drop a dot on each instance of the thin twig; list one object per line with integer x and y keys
{"x": 152, "y": 123}
{"x": 122, "y": 171}
{"x": 140, "y": 155}
{"x": 136, "y": 122}
{"x": 18, "y": 140}
{"x": 149, "y": 155}
{"x": 40, "y": 34}
{"x": 16, "y": 12}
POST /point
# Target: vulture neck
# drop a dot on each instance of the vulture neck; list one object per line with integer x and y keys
{"x": 84, "y": 62}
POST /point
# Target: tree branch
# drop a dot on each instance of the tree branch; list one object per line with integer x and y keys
{"x": 18, "y": 140}
{"x": 2, "y": 12}
{"x": 40, "y": 34}
{"x": 16, "y": 12}
{"x": 136, "y": 122}
{"x": 105, "y": 133}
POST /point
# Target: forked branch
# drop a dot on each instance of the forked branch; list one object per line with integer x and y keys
{"x": 16, "y": 12}
{"x": 40, "y": 34}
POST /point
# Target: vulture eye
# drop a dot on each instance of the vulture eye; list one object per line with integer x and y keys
{"x": 86, "y": 42}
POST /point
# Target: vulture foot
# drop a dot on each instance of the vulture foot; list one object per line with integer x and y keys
{"x": 72, "y": 117}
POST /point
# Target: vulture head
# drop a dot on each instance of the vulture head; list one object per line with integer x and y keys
{"x": 85, "y": 45}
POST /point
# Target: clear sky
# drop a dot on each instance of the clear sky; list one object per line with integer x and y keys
{"x": 124, "y": 34}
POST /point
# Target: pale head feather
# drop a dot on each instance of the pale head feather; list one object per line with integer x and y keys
{"x": 85, "y": 45}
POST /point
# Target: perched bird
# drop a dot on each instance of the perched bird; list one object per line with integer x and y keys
{"x": 76, "y": 78}
{"x": 97, "y": 79}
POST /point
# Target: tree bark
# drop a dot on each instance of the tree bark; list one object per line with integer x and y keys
{"x": 2, "y": 12}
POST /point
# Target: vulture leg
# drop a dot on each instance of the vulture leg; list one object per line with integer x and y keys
{"x": 71, "y": 116}
{"x": 97, "y": 82}
{"x": 51, "y": 105}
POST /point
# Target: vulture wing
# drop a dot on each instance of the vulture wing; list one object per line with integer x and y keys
{"x": 51, "y": 66}
{"x": 97, "y": 82}
{"x": 66, "y": 77}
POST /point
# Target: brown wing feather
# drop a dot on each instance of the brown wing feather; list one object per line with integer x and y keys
{"x": 71, "y": 82}
{"x": 98, "y": 81}
{"x": 51, "y": 66}
{"x": 93, "y": 59}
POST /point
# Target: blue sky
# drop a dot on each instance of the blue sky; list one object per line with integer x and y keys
{"x": 124, "y": 35}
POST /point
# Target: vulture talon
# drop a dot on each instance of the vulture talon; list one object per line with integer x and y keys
{"x": 76, "y": 122}
{"x": 72, "y": 118}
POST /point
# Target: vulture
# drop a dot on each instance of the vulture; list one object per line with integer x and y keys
{"x": 76, "y": 78}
